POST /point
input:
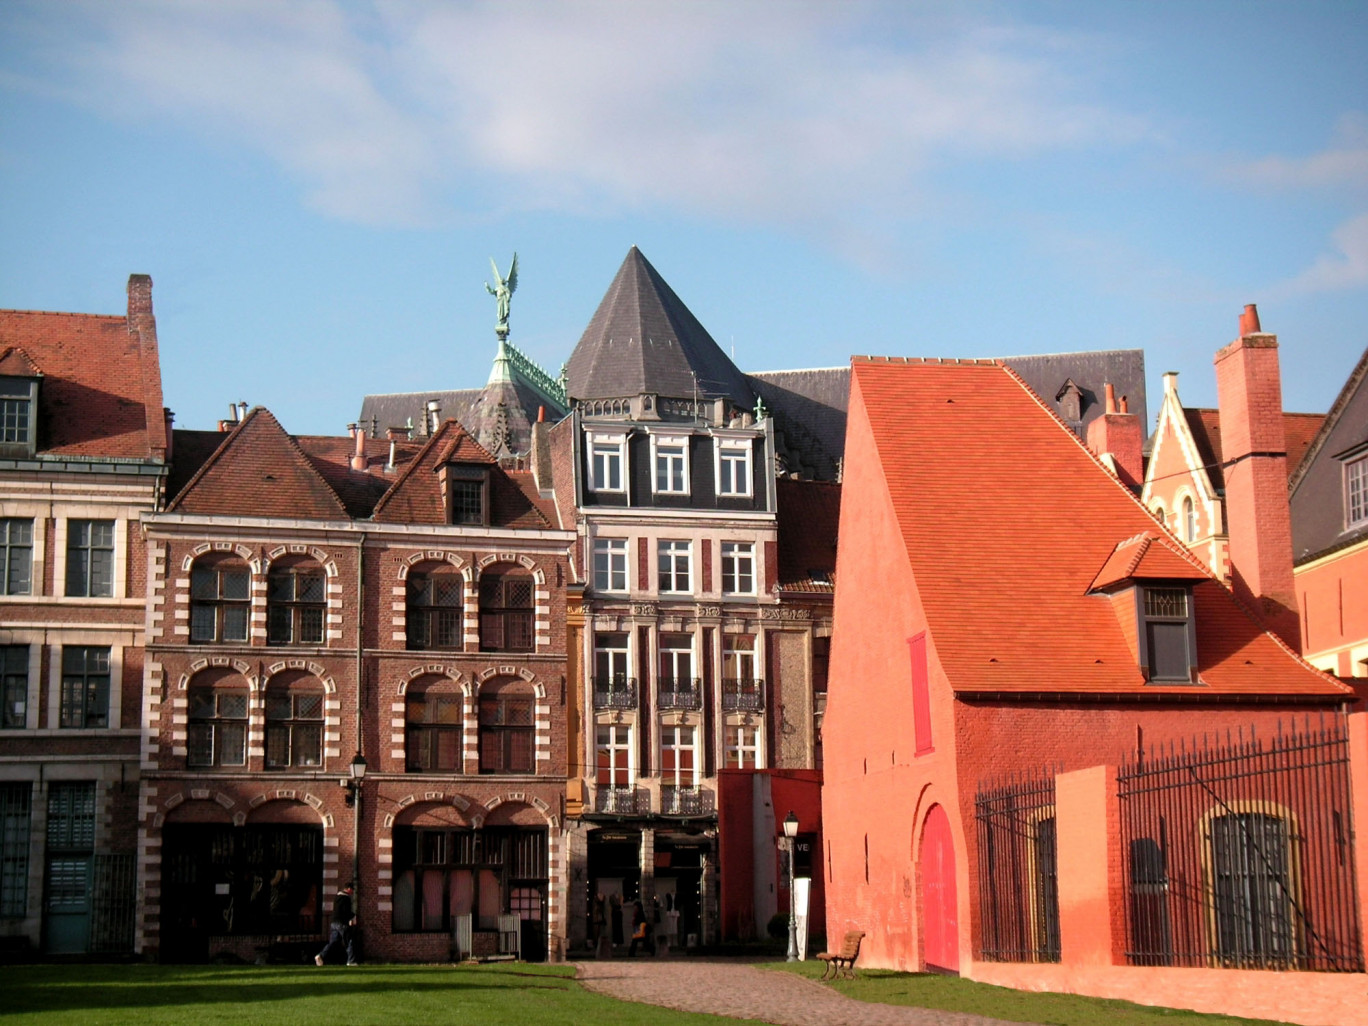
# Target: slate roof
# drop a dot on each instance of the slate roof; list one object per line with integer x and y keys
{"x": 1090, "y": 371}
{"x": 398, "y": 409}
{"x": 642, "y": 338}
{"x": 809, "y": 513}
{"x": 100, "y": 394}
{"x": 1205, "y": 426}
{"x": 1006, "y": 530}
{"x": 809, "y": 410}
{"x": 1317, "y": 485}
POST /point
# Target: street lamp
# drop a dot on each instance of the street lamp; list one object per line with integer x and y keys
{"x": 357, "y": 769}
{"x": 358, "y": 773}
{"x": 791, "y": 832}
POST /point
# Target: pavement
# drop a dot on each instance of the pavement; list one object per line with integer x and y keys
{"x": 728, "y": 987}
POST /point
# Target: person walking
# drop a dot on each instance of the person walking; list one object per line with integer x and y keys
{"x": 342, "y": 932}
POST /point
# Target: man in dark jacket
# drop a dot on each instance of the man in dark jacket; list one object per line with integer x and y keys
{"x": 342, "y": 933}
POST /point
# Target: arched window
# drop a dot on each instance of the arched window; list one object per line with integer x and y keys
{"x": 506, "y": 611}
{"x": 432, "y": 735}
{"x": 507, "y": 730}
{"x": 296, "y": 602}
{"x": 220, "y": 600}
{"x": 1253, "y": 888}
{"x": 217, "y": 729}
{"x": 1189, "y": 520}
{"x": 434, "y": 608}
{"x": 294, "y": 721}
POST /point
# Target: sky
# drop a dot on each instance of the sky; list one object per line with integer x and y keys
{"x": 317, "y": 187}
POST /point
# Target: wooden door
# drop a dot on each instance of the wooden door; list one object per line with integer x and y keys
{"x": 940, "y": 909}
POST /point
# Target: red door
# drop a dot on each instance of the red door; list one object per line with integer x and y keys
{"x": 940, "y": 923}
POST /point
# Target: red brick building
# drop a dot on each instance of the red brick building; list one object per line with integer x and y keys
{"x": 1008, "y": 608}
{"x": 83, "y": 449}
{"x": 319, "y": 605}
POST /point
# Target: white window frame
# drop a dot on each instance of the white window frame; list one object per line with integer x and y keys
{"x": 613, "y": 450}
{"x": 673, "y": 550}
{"x": 1356, "y": 492}
{"x": 745, "y": 659}
{"x": 625, "y": 654}
{"x": 682, "y": 443}
{"x": 733, "y": 552}
{"x": 732, "y": 451}
{"x": 692, "y": 748}
{"x": 674, "y": 655}
{"x": 743, "y": 730}
{"x": 613, "y": 551}
{"x": 626, "y": 748}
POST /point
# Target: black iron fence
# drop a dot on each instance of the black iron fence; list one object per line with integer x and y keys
{"x": 1017, "y": 870}
{"x": 113, "y": 903}
{"x": 1238, "y": 853}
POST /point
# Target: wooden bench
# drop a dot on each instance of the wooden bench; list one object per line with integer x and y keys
{"x": 842, "y": 963}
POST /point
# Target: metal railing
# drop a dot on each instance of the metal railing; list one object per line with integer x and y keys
{"x": 742, "y": 693}
{"x": 615, "y": 693}
{"x": 1240, "y": 854}
{"x": 685, "y": 801}
{"x": 1018, "y": 870}
{"x": 680, "y": 692}
{"x": 622, "y": 801}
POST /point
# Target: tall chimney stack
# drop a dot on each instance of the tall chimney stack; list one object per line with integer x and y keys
{"x": 1117, "y": 433}
{"x": 1254, "y": 450}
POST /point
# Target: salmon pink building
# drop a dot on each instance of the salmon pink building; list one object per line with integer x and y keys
{"x": 1059, "y": 752}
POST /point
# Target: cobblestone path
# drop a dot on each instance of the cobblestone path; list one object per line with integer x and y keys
{"x": 726, "y": 987}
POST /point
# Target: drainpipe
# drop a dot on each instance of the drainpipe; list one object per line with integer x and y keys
{"x": 360, "y": 728}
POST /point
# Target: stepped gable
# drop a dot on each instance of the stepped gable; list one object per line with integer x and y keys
{"x": 416, "y": 496}
{"x": 808, "y": 515}
{"x": 260, "y": 471}
{"x": 1299, "y": 429}
{"x": 643, "y": 339}
{"x": 1005, "y": 531}
{"x": 100, "y": 394}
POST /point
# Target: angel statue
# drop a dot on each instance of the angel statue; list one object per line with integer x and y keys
{"x": 503, "y": 293}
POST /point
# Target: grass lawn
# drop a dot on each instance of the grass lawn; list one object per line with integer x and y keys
{"x": 150, "y": 995}
{"x": 952, "y": 994}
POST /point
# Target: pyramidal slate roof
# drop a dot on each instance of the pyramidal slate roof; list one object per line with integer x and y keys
{"x": 643, "y": 338}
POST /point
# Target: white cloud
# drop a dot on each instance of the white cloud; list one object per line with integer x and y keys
{"x": 1345, "y": 268}
{"x": 797, "y": 114}
{"x": 1343, "y": 163}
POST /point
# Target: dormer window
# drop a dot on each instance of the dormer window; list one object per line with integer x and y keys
{"x": 670, "y": 457}
{"x": 607, "y": 462}
{"x": 1169, "y": 634}
{"x": 18, "y": 422}
{"x": 1356, "y": 492}
{"x": 466, "y": 490}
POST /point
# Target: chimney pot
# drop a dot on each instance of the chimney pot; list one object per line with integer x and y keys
{"x": 1249, "y": 321}
{"x": 358, "y": 460}
{"x": 541, "y": 414}
{"x": 1125, "y": 404}
{"x": 1111, "y": 397}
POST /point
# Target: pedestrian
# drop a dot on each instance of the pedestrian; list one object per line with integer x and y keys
{"x": 599, "y": 920}
{"x": 641, "y": 931}
{"x": 342, "y": 932}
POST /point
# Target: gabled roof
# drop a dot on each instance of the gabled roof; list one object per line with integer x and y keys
{"x": 1204, "y": 425}
{"x": 1148, "y": 557}
{"x": 416, "y": 495}
{"x": 809, "y": 514}
{"x": 643, "y": 338}
{"x": 101, "y": 381}
{"x": 1006, "y": 519}
{"x": 260, "y": 471}
{"x": 1317, "y": 486}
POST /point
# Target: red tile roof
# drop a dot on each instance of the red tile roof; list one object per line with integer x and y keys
{"x": 260, "y": 471}
{"x": 100, "y": 394}
{"x": 1006, "y": 518}
{"x": 1205, "y": 424}
{"x": 809, "y": 513}
{"x": 1148, "y": 556}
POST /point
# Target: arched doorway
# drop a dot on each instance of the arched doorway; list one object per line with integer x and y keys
{"x": 940, "y": 908}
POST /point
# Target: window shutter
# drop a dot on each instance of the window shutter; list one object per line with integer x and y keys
{"x": 921, "y": 698}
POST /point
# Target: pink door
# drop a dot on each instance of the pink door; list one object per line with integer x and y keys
{"x": 940, "y": 923}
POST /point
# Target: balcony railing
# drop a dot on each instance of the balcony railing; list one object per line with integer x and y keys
{"x": 681, "y": 692}
{"x": 622, "y": 801}
{"x": 685, "y": 801}
{"x": 615, "y": 693}
{"x": 743, "y": 693}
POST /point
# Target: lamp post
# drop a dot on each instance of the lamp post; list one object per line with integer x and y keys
{"x": 791, "y": 832}
{"x": 357, "y": 768}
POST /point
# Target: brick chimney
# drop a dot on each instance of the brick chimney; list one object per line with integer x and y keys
{"x": 1254, "y": 450}
{"x": 1116, "y": 433}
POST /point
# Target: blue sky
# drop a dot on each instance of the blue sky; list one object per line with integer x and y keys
{"x": 316, "y": 188}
